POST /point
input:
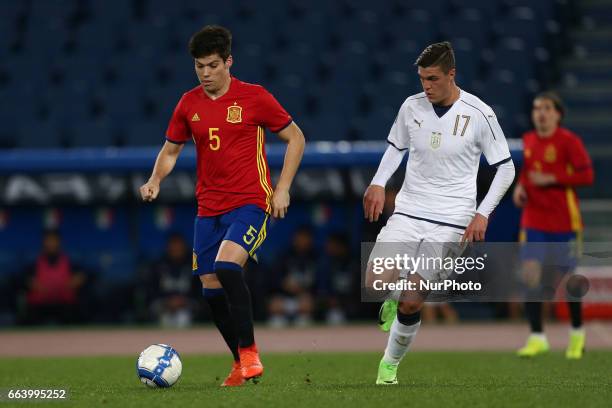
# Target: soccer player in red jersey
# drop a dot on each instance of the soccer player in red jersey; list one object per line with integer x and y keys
{"x": 555, "y": 163}
{"x": 226, "y": 118}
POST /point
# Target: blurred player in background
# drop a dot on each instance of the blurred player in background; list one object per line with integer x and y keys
{"x": 55, "y": 285}
{"x": 555, "y": 162}
{"x": 293, "y": 289}
{"x": 338, "y": 284}
{"x": 169, "y": 287}
{"x": 446, "y": 130}
{"x": 226, "y": 118}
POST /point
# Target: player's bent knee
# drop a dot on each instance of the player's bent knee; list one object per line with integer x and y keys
{"x": 210, "y": 281}
{"x": 532, "y": 265}
{"x": 230, "y": 251}
{"x": 532, "y": 273}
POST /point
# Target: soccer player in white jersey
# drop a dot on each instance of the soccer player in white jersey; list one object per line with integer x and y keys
{"x": 445, "y": 129}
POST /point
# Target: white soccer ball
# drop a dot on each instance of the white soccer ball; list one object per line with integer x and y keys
{"x": 159, "y": 365}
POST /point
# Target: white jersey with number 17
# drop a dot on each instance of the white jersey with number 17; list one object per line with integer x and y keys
{"x": 440, "y": 181}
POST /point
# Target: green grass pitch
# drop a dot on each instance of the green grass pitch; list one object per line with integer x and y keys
{"x": 427, "y": 379}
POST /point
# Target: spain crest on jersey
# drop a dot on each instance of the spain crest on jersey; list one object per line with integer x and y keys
{"x": 550, "y": 154}
{"x": 436, "y": 139}
{"x": 234, "y": 113}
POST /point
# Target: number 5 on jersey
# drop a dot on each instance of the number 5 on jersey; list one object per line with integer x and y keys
{"x": 215, "y": 141}
{"x": 249, "y": 236}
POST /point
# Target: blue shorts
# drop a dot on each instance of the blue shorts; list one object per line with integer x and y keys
{"x": 245, "y": 226}
{"x": 558, "y": 249}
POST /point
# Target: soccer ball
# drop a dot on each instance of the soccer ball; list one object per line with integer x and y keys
{"x": 159, "y": 365}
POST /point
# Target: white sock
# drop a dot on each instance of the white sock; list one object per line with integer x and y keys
{"x": 400, "y": 338}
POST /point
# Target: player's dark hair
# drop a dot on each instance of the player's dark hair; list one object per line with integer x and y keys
{"x": 211, "y": 39}
{"x": 437, "y": 55}
{"x": 555, "y": 99}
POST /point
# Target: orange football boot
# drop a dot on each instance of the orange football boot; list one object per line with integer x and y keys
{"x": 252, "y": 369}
{"x": 234, "y": 379}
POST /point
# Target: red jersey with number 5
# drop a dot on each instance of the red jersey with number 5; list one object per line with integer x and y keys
{"x": 228, "y": 132}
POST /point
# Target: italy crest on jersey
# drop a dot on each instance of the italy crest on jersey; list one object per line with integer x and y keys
{"x": 436, "y": 139}
{"x": 234, "y": 113}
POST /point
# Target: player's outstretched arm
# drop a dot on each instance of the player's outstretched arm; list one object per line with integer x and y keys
{"x": 295, "y": 140}
{"x": 166, "y": 159}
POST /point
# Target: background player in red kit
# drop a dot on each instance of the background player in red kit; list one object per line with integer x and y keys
{"x": 226, "y": 118}
{"x": 555, "y": 162}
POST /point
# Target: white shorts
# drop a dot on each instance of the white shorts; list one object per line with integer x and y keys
{"x": 417, "y": 238}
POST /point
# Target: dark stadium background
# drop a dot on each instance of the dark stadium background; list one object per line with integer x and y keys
{"x": 87, "y": 89}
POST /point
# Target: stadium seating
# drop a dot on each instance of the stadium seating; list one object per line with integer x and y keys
{"x": 119, "y": 64}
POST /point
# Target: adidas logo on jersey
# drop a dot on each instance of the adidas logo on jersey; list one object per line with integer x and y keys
{"x": 195, "y": 117}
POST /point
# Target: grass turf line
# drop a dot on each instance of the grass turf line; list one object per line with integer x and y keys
{"x": 427, "y": 379}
